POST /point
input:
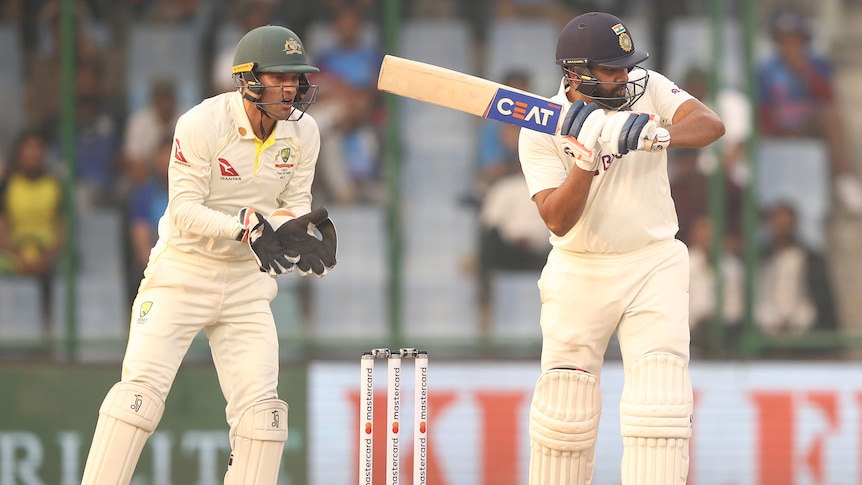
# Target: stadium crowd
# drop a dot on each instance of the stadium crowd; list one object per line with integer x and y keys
{"x": 126, "y": 101}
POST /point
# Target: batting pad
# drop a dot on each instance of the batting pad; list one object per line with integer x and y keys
{"x": 128, "y": 416}
{"x": 655, "y": 417}
{"x": 564, "y": 425}
{"x": 258, "y": 444}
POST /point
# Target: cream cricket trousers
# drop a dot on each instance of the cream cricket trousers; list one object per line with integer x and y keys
{"x": 183, "y": 293}
{"x": 642, "y": 295}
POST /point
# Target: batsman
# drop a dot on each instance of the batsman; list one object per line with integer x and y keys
{"x": 239, "y": 214}
{"x": 601, "y": 186}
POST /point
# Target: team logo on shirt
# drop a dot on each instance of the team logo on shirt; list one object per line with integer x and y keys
{"x": 142, "y": 313}
{"x": 227, "y": 170}
{"x": 285, "y": 159}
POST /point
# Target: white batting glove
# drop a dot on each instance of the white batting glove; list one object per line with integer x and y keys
{"x": 633, "y": 130}
{"x": 579, "y": 134}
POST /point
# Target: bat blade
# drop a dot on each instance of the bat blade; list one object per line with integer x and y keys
{"x": 467, "y": 93}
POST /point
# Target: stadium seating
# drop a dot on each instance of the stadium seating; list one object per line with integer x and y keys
{"x": 350, "y": 302}
{"x": 515, "y": 305}
{"x": 20, "y": 310}
{"x": 527, "y": 45}
{"x": 157, "y": 51}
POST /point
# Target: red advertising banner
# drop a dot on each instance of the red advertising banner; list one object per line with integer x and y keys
{"x": 754, "y": 424}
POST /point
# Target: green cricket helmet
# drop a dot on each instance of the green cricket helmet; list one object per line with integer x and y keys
{"x": 272, "y": 48}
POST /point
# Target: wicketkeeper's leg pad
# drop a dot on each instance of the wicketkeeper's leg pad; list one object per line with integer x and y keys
{"x": 128, "y": 416}
{"x": 258, "y": 444}
{"x": 655, "y": 418}
{"x": 564, "y": 426}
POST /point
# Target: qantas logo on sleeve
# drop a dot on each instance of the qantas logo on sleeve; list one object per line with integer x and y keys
{"x": 524, "y": 110}
{"x": 178, "y": 152}
{"x": 227, "y": 171}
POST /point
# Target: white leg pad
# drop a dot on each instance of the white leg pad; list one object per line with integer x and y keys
{"x": 655, "y": 417}
{"x": 258, "y": 444}
{"x": 128, "y": 416}
{"x": 564, "y": 425}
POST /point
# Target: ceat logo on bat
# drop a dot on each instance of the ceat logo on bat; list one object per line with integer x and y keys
{"x": 520, "y": 109}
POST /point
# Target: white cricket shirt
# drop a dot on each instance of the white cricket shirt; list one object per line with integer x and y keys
{"x": 218, "y": 166}
{"x": 629, "y": 203}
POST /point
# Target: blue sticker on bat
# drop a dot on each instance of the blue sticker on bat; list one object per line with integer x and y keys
{"x": 520, "y": 109}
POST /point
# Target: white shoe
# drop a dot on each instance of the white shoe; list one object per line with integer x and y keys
{"x": 849, "y": 191}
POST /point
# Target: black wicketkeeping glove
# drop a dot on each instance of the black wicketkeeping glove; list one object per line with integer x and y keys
{"x": 298, "y": 240}
{"x": 263, "y": 242}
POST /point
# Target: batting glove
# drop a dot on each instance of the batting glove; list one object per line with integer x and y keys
{"x": 579, "y": 134}
{"x": 299, "y": 240}
{"x": 264, "y": 244}
{"x": 632, "y": 130}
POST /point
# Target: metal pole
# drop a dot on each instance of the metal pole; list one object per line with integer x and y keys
{"x": 716, "y": 183}
{"x": 750, "y": 339}
{"x": 67, "y": 45}
{"x": 391, "y": 31}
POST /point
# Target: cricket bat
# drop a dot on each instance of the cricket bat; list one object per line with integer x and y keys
{"x": 470, "y": 94}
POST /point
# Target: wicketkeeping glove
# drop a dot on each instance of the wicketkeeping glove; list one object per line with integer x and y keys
{"x": 579, "y": 134}
{"x": 632, "y": 130}
{"x": 298, "y": 240}
{"x": 264, "y": 243}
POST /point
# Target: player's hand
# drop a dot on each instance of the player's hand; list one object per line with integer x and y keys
{"x": 579, "y": 134}
{"x": 264, "y": 244}
{"x": 299, "y": 240}
{"x": 633, "y": 130}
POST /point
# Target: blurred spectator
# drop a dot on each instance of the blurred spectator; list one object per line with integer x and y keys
{"x": 97, "y": 142}
{"x": 43, "y": 89}
{"x": 350, "y": 163}
{"x": 352, "y": 59}
{"x": 514, "y": 237}
{"x": 702, "y": 288}
{"x": 348, "y": 112}
{"x": 797, "y": 98}
{"x": 146, "y": 127}
{"x": 794, "y": 293}
{"x": 690, "y": 188}
{"x": 498, "y": 142}
{"x": 241, "y": 17}
{"x": 735, "y": 110}
{"x": 147, "y": 204}
{"x": 32, "y": 231}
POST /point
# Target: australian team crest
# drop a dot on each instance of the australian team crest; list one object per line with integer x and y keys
{"x": 145, "y": 309}
{"x": 285, "y": 154}
{"x": 292, "y": 46}
{"x": 285, "y": 160}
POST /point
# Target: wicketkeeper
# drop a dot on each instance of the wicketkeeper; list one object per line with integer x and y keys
{"x": 239, "y": 213}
